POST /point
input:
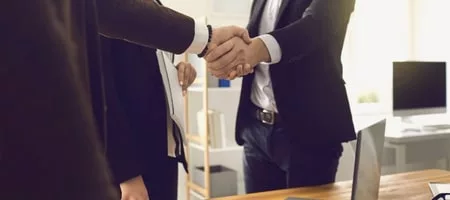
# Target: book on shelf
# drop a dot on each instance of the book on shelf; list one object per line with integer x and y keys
{"x": 216, "y": 127}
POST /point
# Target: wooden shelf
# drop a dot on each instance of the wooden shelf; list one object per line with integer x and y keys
{"x": 197, "y": 188}
{"x": 213, "y": 89}
{"x": 216, "y": 150}
{"x": 195, "y": 138}
{"x": 196, "y": 195}
{"x": 202, "y": 83}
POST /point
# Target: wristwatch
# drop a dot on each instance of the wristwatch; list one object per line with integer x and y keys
{"x": 205, "y": 50}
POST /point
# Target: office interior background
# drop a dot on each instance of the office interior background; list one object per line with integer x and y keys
{"x": 379, "y": 33}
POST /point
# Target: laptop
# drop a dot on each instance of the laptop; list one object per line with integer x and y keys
{"x": 368, "y": 157}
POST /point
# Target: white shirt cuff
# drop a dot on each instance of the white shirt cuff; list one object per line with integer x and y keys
{"x": 200, "y": 40}
{"x": 273, "y": 47}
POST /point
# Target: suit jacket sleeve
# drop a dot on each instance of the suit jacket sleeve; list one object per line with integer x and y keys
{"x": 48, "y": 139}
{"x": 321, "y": 22}
{"x": 146, "y": 23}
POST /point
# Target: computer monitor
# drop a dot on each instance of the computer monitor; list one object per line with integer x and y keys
{"x": 419, "y": 88}
{"x": 368, "y": 158}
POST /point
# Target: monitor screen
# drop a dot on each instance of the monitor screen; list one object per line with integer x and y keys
{"x": 419, "y": 85}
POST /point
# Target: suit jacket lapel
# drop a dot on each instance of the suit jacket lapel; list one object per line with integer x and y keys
{"x": 283, "y": 7}
{"x": 255, "y": 18}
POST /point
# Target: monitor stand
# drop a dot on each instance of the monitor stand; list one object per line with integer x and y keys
{"x": 407, "y": 120}
{"x": 408, "y": 124}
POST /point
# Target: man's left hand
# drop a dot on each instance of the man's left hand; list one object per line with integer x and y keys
{"x": 186, "y": 75}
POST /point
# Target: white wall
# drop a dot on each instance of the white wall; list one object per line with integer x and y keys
{"x": 193, "y": 8}
{"x": 219, "y": 12}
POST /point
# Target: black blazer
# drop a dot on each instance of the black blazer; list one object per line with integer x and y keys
{"x": 137, "y": 126}
{"x": 307, "y": 83}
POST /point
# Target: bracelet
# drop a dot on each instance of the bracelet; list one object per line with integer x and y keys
{"x": 205, "y": 50}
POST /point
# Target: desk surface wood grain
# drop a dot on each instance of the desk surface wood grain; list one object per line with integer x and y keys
{"x": 404, "y": 186}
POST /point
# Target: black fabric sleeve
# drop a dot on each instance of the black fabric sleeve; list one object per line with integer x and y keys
{"x": 146, "y": 23}
{"x": 321, "y": 22}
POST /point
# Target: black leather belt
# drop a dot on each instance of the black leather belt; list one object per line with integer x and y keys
{"x": 265, "y": 116}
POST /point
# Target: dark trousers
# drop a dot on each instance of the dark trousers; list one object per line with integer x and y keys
{"x": 161, "y": 180}
{"x": 272, "y": 161}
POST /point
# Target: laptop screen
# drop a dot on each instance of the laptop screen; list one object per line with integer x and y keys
{"x": 368, "y": 158}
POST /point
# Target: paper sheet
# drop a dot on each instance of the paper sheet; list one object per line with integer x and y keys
{"x": 174, "y": 92}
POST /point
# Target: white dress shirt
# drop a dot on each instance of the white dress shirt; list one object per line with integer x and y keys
{"x": 200, "y": 40}
{"x": 262, "y": 92}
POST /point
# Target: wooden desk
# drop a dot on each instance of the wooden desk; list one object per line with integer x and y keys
{"x": 404, "y": 186}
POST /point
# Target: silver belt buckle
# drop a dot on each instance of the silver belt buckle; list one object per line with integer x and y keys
{"x": 267, "y": 114}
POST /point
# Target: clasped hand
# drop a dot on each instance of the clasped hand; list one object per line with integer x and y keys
{"x": 232, "y": 53}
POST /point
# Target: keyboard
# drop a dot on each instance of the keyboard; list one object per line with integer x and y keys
{"x": 436, "y": 127}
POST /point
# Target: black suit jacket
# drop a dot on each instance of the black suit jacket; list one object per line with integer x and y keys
{"x": 137, "y": 123}
{"x": 307, "y": 83}
{"x": 51, "y": 79}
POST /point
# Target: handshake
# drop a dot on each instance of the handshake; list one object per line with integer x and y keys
{"x": 232, "y": 53}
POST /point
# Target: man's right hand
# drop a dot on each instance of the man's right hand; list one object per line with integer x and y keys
{"x": 223, "y": 34}
{"x": 134, "y": 189}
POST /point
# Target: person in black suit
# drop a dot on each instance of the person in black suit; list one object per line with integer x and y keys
{"x": 137, "y": 142}
{"x": 293, "y": 112}
{"x": 138, "y": 122}
{"x": 53, "y": 92}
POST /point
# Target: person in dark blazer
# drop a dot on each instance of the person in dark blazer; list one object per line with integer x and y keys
{"x": 293, "y": 112}
{"x": 53, "y": 105}
{"x": 137, "y": 143}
